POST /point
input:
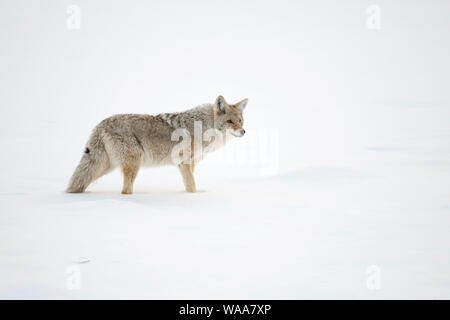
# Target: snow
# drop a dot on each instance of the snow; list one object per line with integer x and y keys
{"x": 344, "y": 169}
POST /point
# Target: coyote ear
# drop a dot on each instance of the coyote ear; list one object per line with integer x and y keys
{"x": 221, "y": 103}
{"x": 241, "y": 105}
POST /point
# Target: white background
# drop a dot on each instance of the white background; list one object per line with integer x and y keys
{"x": 361, "y": 120}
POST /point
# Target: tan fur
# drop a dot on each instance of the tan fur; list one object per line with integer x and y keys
{"x": 187, "y": 172}
{"x": 130, "y": 141}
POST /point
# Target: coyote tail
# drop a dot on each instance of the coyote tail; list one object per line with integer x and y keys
{"x": 93, "y": 164}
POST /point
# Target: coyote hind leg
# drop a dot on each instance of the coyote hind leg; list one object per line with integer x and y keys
{"x": 130, "y": 170}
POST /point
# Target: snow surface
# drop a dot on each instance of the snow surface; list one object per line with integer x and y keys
{"x": 349, "y": 130}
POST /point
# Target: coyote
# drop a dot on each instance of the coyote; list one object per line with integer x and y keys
{"x": 134, "y": 140}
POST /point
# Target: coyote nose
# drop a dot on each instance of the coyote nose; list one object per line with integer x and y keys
{"x": 242, "y": 132}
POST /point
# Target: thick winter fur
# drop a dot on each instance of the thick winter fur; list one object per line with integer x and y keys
{"x": 130, "y": 141}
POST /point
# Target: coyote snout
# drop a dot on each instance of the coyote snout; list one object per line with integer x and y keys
{"x": 133, "y": 140}
{"x": 239, "y": 133}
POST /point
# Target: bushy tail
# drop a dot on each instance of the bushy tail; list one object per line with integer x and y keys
{"x": 93, "y": 164}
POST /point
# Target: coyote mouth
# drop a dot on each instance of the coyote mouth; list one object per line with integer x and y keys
{"x": 238, "y": 134}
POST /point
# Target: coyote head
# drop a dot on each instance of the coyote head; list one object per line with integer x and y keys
{"x": 229, "y": 116}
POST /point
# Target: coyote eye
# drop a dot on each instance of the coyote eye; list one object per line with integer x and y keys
{"x": 229, "y": 121}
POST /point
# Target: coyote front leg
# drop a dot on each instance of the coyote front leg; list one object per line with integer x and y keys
{"x": 188, "y": 177}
